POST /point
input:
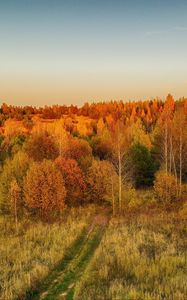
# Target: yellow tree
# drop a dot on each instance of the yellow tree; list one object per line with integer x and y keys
{"x": 102, "y": 182}
{"x": 138, "y": 135}
{"x": 15, "y": 193}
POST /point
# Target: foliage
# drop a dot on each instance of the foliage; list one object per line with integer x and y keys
{"x": 100, "y": 178}
{"x": 78, "y": 148}
{"x": 74, "y": 180}
{"x": 130, "y": 199}
{"x": 102, "y": 147}
{"x": 14, "y": 168}
{"x": 41, "y": 146}
{"x": 138, "y": 134}
{"x": 166, "y": 189}
{"x": 142, "y": 164}
{"x": 44, "y": 189}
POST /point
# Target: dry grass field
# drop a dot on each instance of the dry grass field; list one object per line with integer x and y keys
{"x": 142, "y": 259}
{"x": 27, "y": 258}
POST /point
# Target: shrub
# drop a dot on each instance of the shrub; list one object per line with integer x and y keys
{"x": 130, "y": 199}
{"x": 166, "y": 188}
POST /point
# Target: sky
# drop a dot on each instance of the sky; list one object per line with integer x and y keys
{"x": 74, "y": 51}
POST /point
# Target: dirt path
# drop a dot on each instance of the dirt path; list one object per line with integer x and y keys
{"x": 60, "y": 284}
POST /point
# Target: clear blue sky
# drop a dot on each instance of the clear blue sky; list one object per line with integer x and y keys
{"x": 72, "y": 51}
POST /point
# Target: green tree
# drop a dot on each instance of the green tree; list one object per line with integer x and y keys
{"x": 142, "y": 165}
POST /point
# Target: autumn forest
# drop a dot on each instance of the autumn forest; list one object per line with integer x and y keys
{"x": 92, "y": 198}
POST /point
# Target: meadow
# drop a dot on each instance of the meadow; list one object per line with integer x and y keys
{"x": 141, "y": 258}
{"x": 26, "y": 258}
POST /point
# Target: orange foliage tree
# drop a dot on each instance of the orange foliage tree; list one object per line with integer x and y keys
{"x": 73, "y": 178}
{"x": 44, "y": 189}
{"x": 80, "y": 151}
{"x": 41, "y": 146}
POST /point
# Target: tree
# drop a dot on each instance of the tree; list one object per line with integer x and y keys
{"x": 80, "y": 150}
{"x": 138, "y": 135}
{"x": 73, "y": 178}
{"x": 164, "y": 124}
{"x": 166, "y": 189}
{"x": 100, "y": 126}
{"x": 142, "y": 165}
{"x": 41, "y": 146}
{"x": 44, "y": 189}
{"x": 120, "y": 144}
{"x": 14, "y": 169}
{"x": 102, "y": 144}
{"x": 179, "y": 131}
{"x": 15, "y": 193}
{"x": 56, "y": 131}
{"x": 102, "y": 182}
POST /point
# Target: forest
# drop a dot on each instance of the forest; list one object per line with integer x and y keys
{"x": 93, "y": 201}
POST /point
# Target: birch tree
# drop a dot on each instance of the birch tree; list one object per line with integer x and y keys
{"x": 180, "y": 141}
{"x": 120, "y": 142}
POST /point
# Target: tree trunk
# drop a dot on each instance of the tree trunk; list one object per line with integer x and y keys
{"x": 120, "y": 179}
{"x": 166, "y": 154}
{"x": 180, "y": 163}
{"x": 166, "y": 147}
{"x": 15, "y": 214}
{"x": 113, "y": 200}
{"x": 170, "y": 155}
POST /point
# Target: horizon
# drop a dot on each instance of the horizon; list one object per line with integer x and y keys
{"x": 95, "y": 102}
{"x": 90, "y": 51}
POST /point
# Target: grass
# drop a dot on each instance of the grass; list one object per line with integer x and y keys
{"x": 26, "y": 259}
{"x": 140, "y": 256}
{"x": 64, "y": 281}
{"x": 140, "y": 259}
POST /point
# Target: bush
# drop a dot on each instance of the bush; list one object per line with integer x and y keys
{"x": 129, "y": 198}
{"x": 166, "y": 189}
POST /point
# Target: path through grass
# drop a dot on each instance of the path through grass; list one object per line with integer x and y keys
{"x": 61, "y": 283}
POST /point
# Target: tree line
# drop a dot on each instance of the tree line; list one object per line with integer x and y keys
{"x": 133, "y": 146}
